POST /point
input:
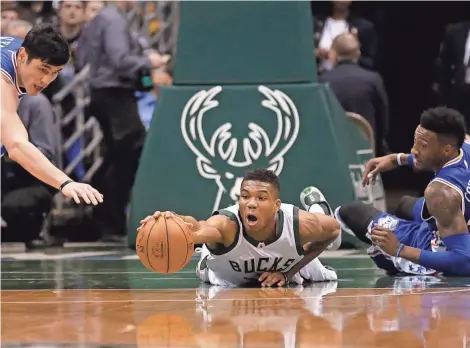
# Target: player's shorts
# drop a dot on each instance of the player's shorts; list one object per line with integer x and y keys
{"x": 410, "y": 233}
{"x": 312, "y": 272}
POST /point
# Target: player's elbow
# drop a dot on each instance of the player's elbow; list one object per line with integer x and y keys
{"x": 334, "y": 234}
{"x": 14, "y": 147}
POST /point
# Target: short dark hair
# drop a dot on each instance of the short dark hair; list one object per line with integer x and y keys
{"x": 446, "y": 122}
{"x": 45, "y": 42}
{"x": 263, "y": 175}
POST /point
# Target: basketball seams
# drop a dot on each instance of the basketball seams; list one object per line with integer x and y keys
{"x": 147, "y": 251}
{"x": 184, "y": 234}
{"x": 167, "y": 248}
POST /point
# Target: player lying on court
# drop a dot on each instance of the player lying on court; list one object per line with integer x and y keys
{"x": 28, "y": 67}
{"x": 261, "y": 239}
{"x": 441, "y": 242}
{"x": 409, "y": 208}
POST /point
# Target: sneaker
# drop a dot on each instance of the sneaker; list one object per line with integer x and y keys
{"x": 312, "y": 198}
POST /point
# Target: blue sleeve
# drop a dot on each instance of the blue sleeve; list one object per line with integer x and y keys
{"x": 455, "y": 261}
{"x": 411, "y": 160}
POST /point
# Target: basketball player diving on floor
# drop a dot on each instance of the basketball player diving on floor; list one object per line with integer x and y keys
{"x": 440, "y": 244}
{"x": 260, "y": 239}
{"x": 28, "y": 67}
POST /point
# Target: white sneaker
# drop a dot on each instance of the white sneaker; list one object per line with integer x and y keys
{"x": 314, "y": 201}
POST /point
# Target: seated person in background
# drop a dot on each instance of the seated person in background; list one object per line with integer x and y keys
{"x": 25, "y": 199}
{"x": 441, "y": 243}
{"x": 17, "y": 28}
{"x": 8, "y": 13}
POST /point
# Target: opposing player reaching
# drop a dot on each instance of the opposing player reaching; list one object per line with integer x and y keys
{"x": 27, "y": 67}
{"x": 441, "y": 243}
{"x": 409, "y": 208}
{"x": 261, "y": 239}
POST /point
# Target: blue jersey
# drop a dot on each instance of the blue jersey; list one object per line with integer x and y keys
{"x": 9, "y": 47}
{"x": 418, "y": 206}
{"x": 456, "y": 175}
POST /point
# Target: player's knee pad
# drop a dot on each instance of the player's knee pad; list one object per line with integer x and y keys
{"x": 355, "y": 217}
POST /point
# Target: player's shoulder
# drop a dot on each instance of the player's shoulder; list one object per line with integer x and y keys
{"x": 224, "y": 216}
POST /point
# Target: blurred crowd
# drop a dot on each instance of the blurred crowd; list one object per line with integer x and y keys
{"x": 125, "y": 70}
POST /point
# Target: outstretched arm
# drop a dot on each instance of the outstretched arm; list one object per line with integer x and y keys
{"x": 20, "y": 149}
{"x": 445, "y": 204}
{"x": 218, "y": 229}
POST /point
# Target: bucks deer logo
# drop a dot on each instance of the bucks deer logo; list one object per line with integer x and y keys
{"x": 224, "y": 158}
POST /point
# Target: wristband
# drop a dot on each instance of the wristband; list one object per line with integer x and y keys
{"x": 66, "y": 182}
{"x": 400, "y": 248}
{"x": 411, "y": 160}
{"x": 398, "y": 159}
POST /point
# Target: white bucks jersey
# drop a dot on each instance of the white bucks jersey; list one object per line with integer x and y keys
{"x": 246, "y": 259}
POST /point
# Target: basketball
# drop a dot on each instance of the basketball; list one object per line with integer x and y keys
{"x": 164, "y": 245}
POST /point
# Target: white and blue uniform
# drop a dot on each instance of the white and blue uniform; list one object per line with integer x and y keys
{"x": 9, "y": 47}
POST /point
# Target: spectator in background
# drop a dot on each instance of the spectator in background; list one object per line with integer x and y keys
{"x": 9, "y": 13}
{"x": 358, "y": 90}
{"x": 117, "y": 65}
{"x": 71, "y": 18}
{"x": 92, "y": 8}
{"x": 454, "y": 68}
{"x": 342, "y": 21}
{"x": 37, "y": 12}
{"x": 17, "y": 28}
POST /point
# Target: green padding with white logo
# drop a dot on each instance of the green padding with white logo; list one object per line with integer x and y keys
{"x": 203, "y": 139}
{"x": 244, "y": 42}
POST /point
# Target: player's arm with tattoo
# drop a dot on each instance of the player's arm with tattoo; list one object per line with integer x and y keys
{"x": 317, "y": 231}
{"x": 445, "y": 204}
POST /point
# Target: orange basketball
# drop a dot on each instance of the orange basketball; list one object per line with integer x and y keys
{"x": 164, "y": 245}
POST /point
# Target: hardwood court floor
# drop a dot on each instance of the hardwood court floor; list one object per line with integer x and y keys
{"x": 113, "y": 301}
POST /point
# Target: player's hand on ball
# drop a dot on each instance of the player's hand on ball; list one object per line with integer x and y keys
{"x": 385, "y": 239}
{"x": 78, "y": 191}
{"x": 270, "y": 279}
{"x": 166, "y": 214}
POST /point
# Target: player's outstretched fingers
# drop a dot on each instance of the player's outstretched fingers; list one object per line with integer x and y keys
{"x": 84, "y": 195}
{"x": 75, "y": 197}
{"x": 91, "y": 195}
{"x": 98, "y": 196}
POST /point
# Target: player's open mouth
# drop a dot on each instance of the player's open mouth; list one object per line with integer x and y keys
{"x": 251, "y": 220}
{"x": 38, "y": 88}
